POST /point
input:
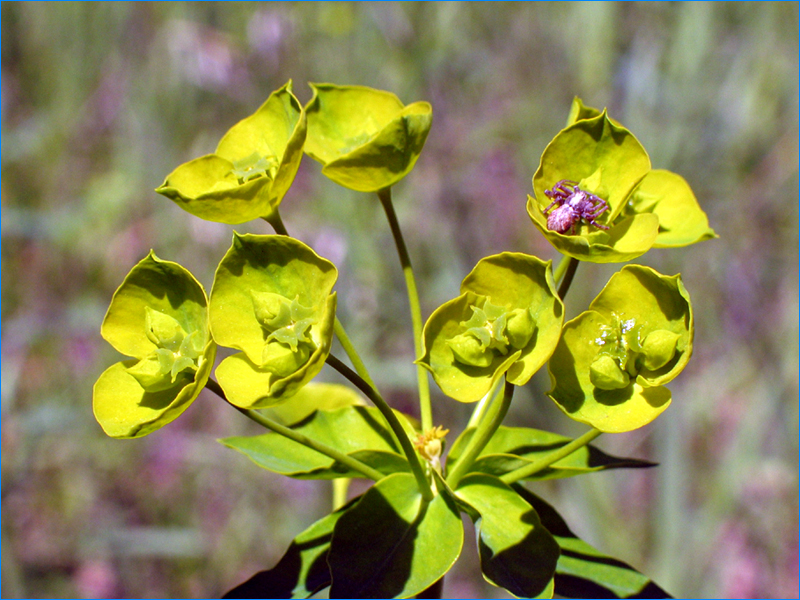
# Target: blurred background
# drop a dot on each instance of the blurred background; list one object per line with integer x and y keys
{"x": 100, "y": 101}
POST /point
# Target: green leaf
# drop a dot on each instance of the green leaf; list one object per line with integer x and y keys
{"x": 393, "y": 544}
{"x": 514, "y": 447}
{"x": 359, "y": 431}
{"x": 365, "y": 138}
{"x": 517, "y": 552}
{"x": 302, "y": 570}
{"x": 313, "y": 397}
{"x": 605, "y": 159}
{"x": 159, "y": 316}
{"x": 582, "y": 571}
{"x": 612, "y": 359}
{"x": 681, "y": 221}
{"x": 252, "y": 169}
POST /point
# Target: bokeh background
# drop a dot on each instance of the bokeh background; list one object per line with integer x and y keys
{"x": 101, "y": 100}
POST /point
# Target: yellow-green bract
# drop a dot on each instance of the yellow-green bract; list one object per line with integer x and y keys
{"x": 272, "y": 300}
{"x": 507, "y": 320}
{"x": 252, "y": 168}
{"x": 646, "y": 208}
{"x": 158, "y": 316}
{"x": 609, "y": 366}
{"x": 366, "y": 139}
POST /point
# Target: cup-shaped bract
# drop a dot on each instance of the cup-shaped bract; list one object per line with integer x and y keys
{"x": 158, "y": 316}
{"x": 667, "y": 195}
{"x": 507, "y": 320}
{"x": 636, "y": 336}
{"x": 252, "y": 168}
{"x": 599, "y": 157}
{"x": 272, "y": 300}
{"x": 366, "y": 139}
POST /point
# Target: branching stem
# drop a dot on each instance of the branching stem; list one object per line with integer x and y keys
{"x": 399, "y": 433}
{"x": 556, "y": 455}
{"x": 352, "y": 354}
{"x": 570, "y": 268}
{"x": 486, "y": 429}
{"x": 277, "y": 223}
{"x": 385, "y": 196}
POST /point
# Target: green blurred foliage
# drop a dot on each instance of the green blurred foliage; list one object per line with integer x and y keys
{"x": 101, "y": 100}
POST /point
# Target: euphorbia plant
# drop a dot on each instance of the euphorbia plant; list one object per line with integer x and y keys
{"x": 595, "y": 199}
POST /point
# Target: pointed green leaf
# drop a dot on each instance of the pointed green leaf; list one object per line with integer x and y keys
{"x": 359, "y": 431}
{"x": 517, "y": 552}
{"x": 252, "y": 169}
{"x": 582, "y": 571}
{"x": 365, "y": 138}
{"x": 302, "y": 570}
{"x": 681, "y": 221}
{"x": 393, "y": 544}
{"x": 579, "y": 111}
{"x": 514, "y": 447}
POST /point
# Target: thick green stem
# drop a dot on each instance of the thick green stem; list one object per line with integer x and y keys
{"x": 571, "y": 267}
{"x": 352, "y": 354}
{"x": 348, "y": 461}
{"x": 394, "y": 423}
{"x": 482, "y": 407}
{"x": 556, "y": 455}
{"x": 277, "y": 223}
{"x": 486, "y": 429}
{"x": 426, "y": 416}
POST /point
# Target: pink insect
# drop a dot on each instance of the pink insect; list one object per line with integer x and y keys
{"x": 572, "y": 205}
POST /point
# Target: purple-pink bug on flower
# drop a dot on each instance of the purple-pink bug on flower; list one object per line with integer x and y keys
{"x": 571, "y": 205}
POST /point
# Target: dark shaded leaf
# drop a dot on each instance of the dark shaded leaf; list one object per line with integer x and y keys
{"x": 303, "y": 569}
{"x": 517, "y": 552}
{"x": 582, "y": 571}
{"x": 393, "y": 544}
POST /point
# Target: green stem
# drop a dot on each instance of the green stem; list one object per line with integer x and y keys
{"x": 571, "y": 267}
{"x": 388, "y": 414}
{"x": 348, "y": 461}
{"x": 277, "y": 223}
{"x": 352, "y": 354}
{"x": 483, "y": 406}
{"x": 486, "y": 429}
{"x": 385, "y": 196}
{"x": 556, "y": 455}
